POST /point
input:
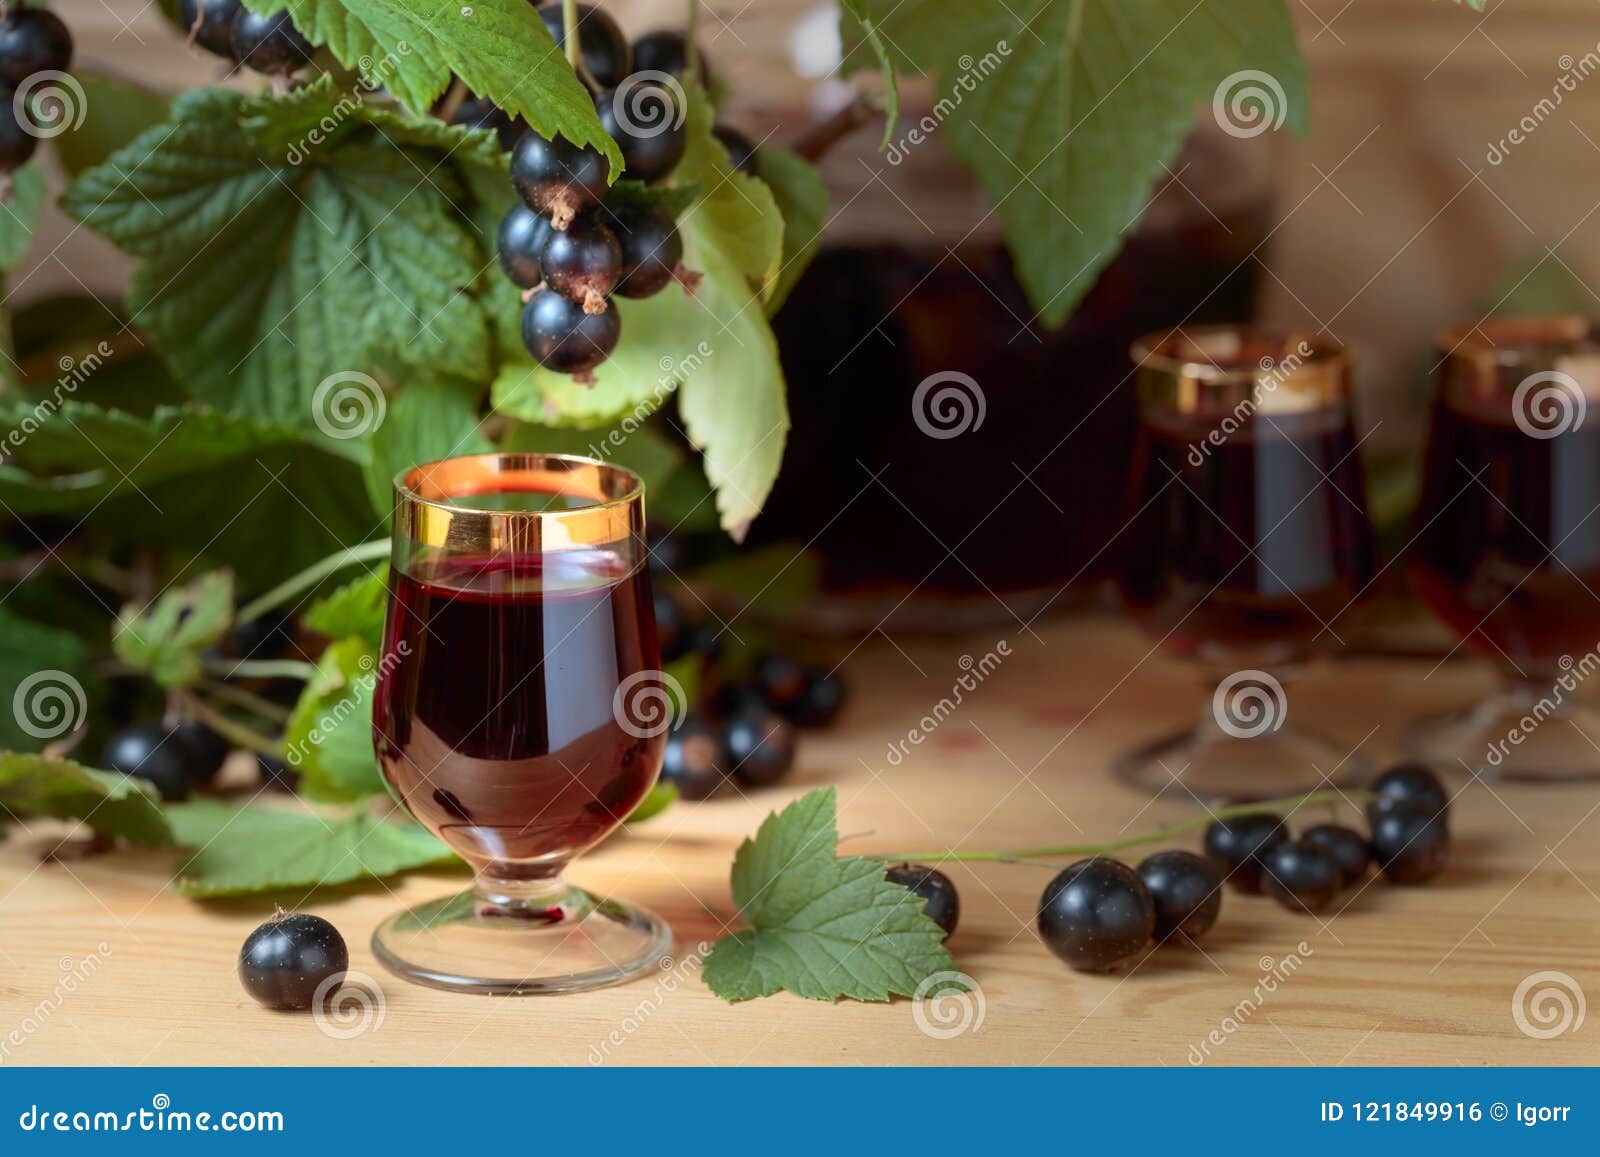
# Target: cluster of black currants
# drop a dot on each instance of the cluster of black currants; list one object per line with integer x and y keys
{"x": 32, "y": 41}
{"x": 750, "y": 732}
{"x": 269, "y": 44}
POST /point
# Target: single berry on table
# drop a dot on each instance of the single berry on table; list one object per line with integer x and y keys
{"x": 558, "y": 178}
{"x": 582, "y": 263}
{"x": 520, "y": 245}
{"x": 1187, "y": 891}
{"x": 18, "y": 141}
{"x": 1348, "y": 847}
{"x": 1095, "y": 914}
{"x": 941, "y": 904}
{"x": 292, "y": 961}
{"x": 782, "y": 680}
{"x": 820, "y": 701}
{"x": 1236, "y": 844}
{"x": 269, "y": 44}
{"x": 693, "y": 760}
{"x": 210, "y": 22}
{"x": 760, "y": 746}
{"x": 1412, "y": 784}
{"x": 204, "y": 751}
{"x": 1300, "y": 876}
{"x": 1410, "y": 844}
{"x": 652, "y": 248}
{"x": 741, "y": 149}
{"x": 32, "y": 40}
{"x": 648, "y": 125}
{"x": 562, "y": 337}
{"x": 152, "y": 753}
{"x": 603, "y": 47}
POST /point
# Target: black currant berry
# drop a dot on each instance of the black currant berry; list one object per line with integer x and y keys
{"x": 285, "y": 962}
{"x": 604, "y": 49}
{"x": 739, "y": 695}
{"x": 1348, "y": 847}
{"x": 1187, "y": 891}
{"x": 1412, "y": 784}
{"x": 694, "y": 761}
{"x": 582, "y": 263}
{"x": 1410, "y": 845}
{"x": 32, "y": 40}
{"x": 667, "y": 50}
{"x": 782, "y": 680}
{"x": 204, "y": 751}
{"x": 821, "y": 700}
{"x": 479, "y": 113}
{"x": 267, "y": 636}
{"x": 556, "y": 177}
{"x": 562, "y": 337}
{"x": 1095, "y": 913}
{"x": 276, "y": 775}
{"x": 210, "y": 22}
{"x": 17, "y": 140}
{"x": 940, "y": 902}
{"x": 670, "y": 624}
{"x": 741, "y": 149}
{"x": 271, "y": 45}
{"x": 1300, "y": 876}
{"x": 1236, "y": 845}
{"x": 760, "y": 747}
{"x": 520, "y": 244}
{"x": 151, "y": 753}
{"x": 646, "y": 122}
{"x": 652, "y": 248}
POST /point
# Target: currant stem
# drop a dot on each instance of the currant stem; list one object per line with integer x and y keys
{"x": 311, "y": 576}
{"x": 262, "y": 669}
{"x": 235, "y": 733}
{"x": 1031, "y": 856}
{"x": 691, "y": 52}
{"x": 569, "y": 34}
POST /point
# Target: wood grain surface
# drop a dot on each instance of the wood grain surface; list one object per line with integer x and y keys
{"x": 1401, "y": 976}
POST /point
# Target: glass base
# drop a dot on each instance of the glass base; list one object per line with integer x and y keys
{"x": 1208, "y": 764}
{"x": 1519, "y": 734}
{"x": 561, "y": 940}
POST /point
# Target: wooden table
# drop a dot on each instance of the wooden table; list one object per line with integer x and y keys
{"x": 1404, "y": 976}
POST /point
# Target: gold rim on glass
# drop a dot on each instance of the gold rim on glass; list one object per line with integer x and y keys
{"x": 1213, "y": 368}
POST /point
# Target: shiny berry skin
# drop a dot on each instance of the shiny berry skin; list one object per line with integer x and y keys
{"x": 562, "y": 337}
{"x": 215, "y": 32}
{"x": 741, "y": 149}
{"x": 693, "y": 760}
{"x": 1236, "y": 844}
{"x": 1096, "y": 914}
{"x": 556, "y": 177}
{"x": 941, "y": 904}
{"x": 271, "y": 45}
{"x": 1187, "y": 891}
{"x": 670, "y": 625}
{"x": 781, "y": 679}
{"x": 520, "y": 245}
{"x": 1410, "y": 845}
{"x": 17, "y": 142}
{"x": 652, "y": 248}
{"x": 582, "y": 263}
{"x": 760, "y": 747}
{"x": 820, "y": 701}
{"x": 739, "y": 695}
{"x": 150, "y": 753}
{"x": 1348, "y": 847}
{"x": 667, "y": 50}
{"x": 647, "y": 123}
{"x": 1300, "y": 876}
{"x": 32, "y": 40}
{"x": 204, "y": 751}
{"x": 604, "y": 48}
{"x": 1412, "y": 784}
{"x": 288, "y": 959}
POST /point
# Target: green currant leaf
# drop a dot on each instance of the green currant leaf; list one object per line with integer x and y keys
{"x": 428, "y": 421}
{"x": 500, "y": 49}
{"x": 328, "y": 739}
{"x": 247, "y": 850}
{"x": 357, "y": 608}
{"x": 1068, "y": 110}
{"x": 821, "y": 927}
{"x": 115, "y": 112}
{"x": 857, "y": 16}
{"x": 114, "y": 805}
{"x": 803, "y": 201}
{"x": 19, "y": 216}
{"x": 166, "y": 638}
{"x": 43, "y": 670}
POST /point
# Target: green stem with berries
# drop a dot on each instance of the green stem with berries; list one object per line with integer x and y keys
{"x": 235, "y": 733}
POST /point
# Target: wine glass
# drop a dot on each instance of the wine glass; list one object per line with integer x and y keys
{"x": 1247, "y": 541}
{"x": 1506, "y": 546}
{"x": 520, "y": 714}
